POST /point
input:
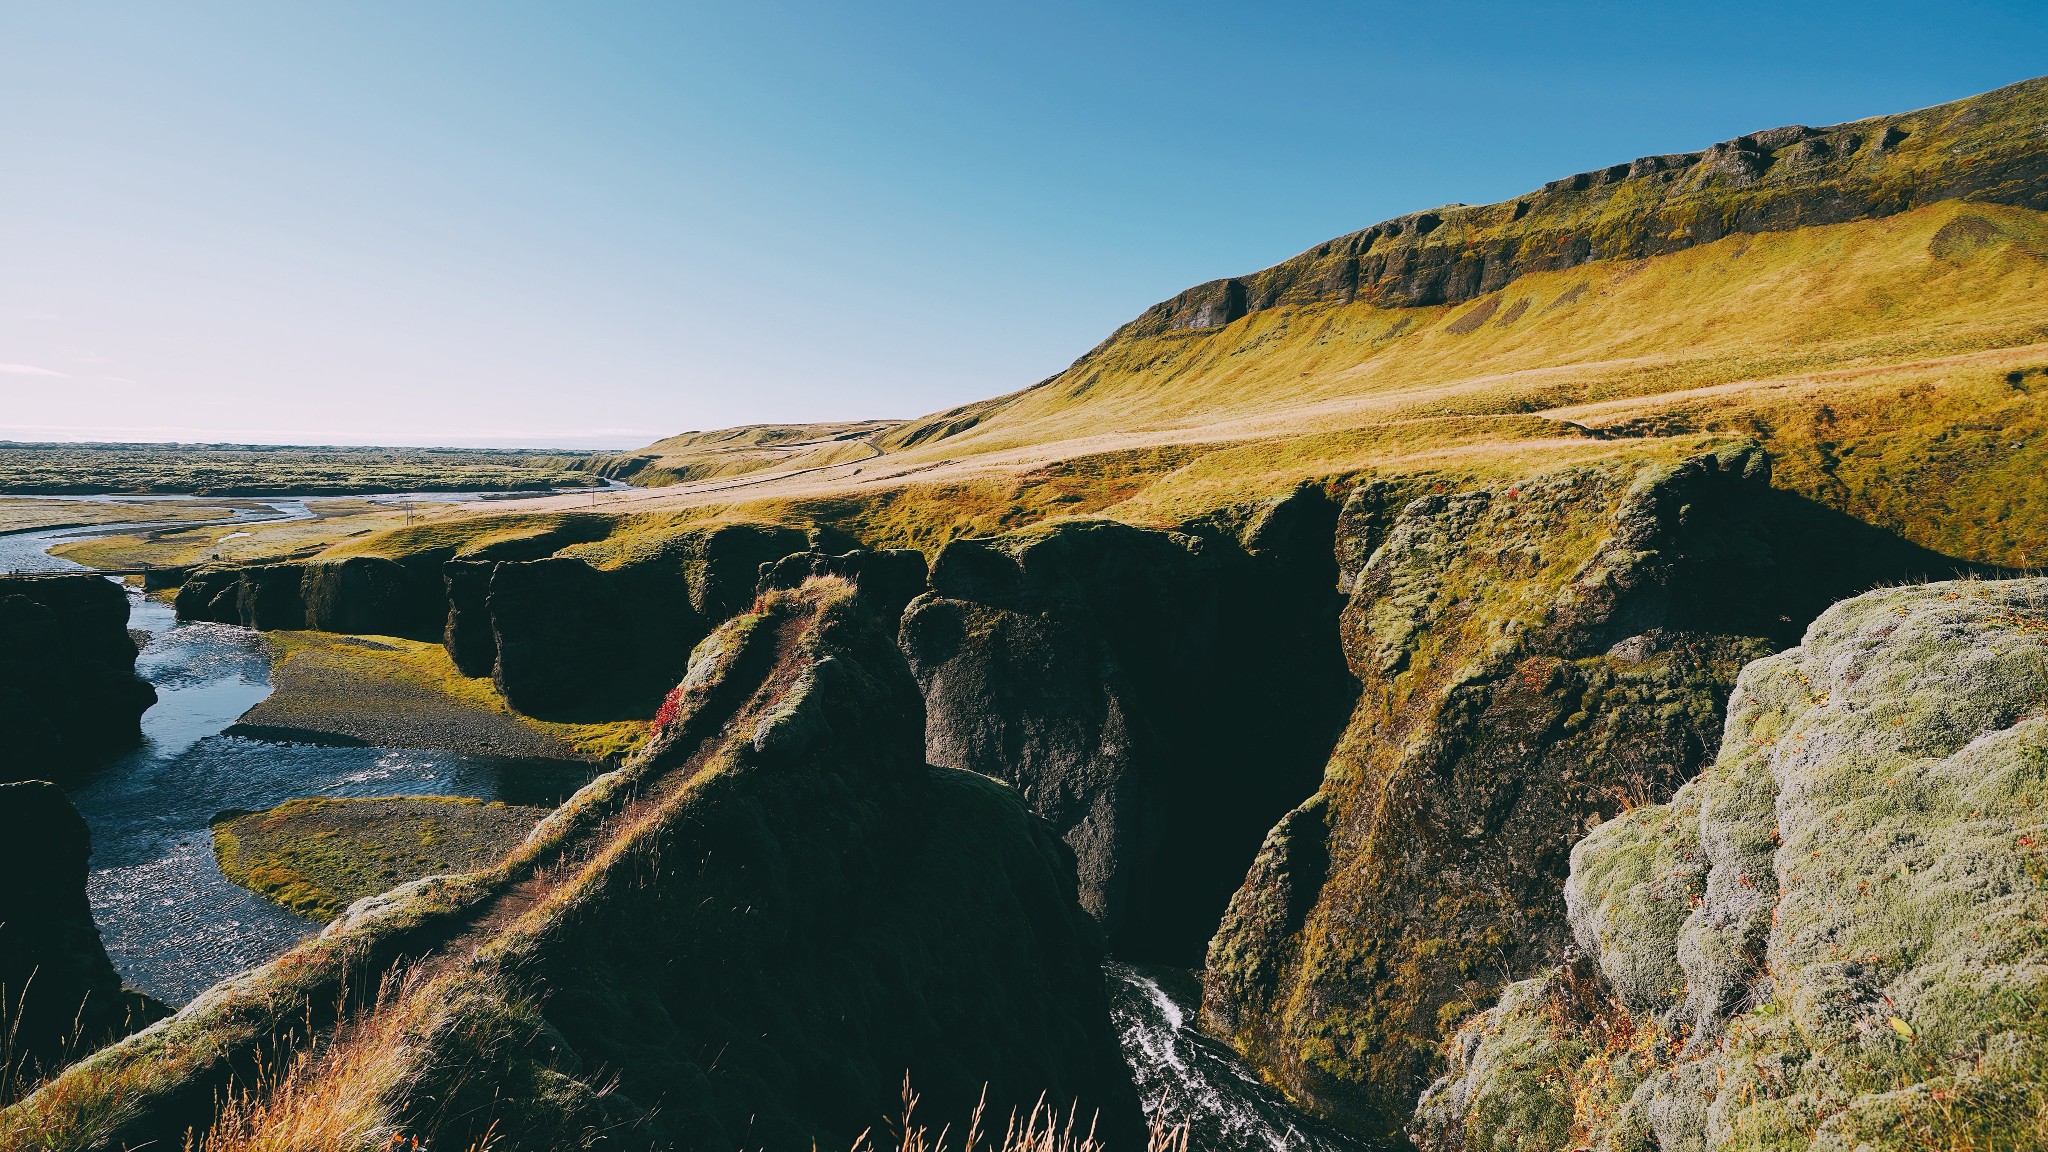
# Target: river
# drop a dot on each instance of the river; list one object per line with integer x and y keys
{"x": 174, "y": 926}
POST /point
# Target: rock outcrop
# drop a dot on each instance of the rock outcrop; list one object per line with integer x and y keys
{"x": 1831, "y": 939}
{"x": 59, "y": 994}
{"x": 564, "y": 636}
{"x": 471, "y": 642}
{"x": 69, "y": 695}
{"x": 1983, "y": 148}
{"x": 1535, "y": 657}
{"x": 361, "y": 594}
{"x": 745, "y": 938}
{"x": 569, "y": 637}
{"x": 888, "y": 579}
{"x": 1160, "y": 697}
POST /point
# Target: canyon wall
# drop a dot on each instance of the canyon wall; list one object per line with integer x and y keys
{"x": 1161, "y": 697}
{"x": 59, "y": 994}
{"x": 69, "y": 695}
{"x": 1535, "y": 657}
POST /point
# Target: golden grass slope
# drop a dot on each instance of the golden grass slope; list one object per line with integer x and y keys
{"x": 782, "y": 448}
{"x": 1893, "y": 367}
{"x": 1891, "y": 362}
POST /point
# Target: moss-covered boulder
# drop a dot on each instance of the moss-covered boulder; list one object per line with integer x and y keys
{"x": 1536, "y": 657}
{"x": 1833, "y": 938}
{"x": 1160, "y": 697}
{"x": 69, "y": 695}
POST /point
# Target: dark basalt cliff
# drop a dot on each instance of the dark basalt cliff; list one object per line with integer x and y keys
{"x": 59, "y": 994}
{"x": 69, "y": 695}
{"x": 1535, "y": 657}
{"x": 567, "y": 637}
{"x": 365, "y": 594}
{"x": 827, "y": 915}
{"x": 1160, "y": 697}
{"x": 888, "y": 579}
{"x": 561, "y": 636}
{"x": 1983, "y": 148}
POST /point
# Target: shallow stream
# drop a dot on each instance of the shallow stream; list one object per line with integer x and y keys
{"x": 173, "y": 925}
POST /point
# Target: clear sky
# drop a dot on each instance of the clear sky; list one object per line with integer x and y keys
{"x": 594, "y": 224}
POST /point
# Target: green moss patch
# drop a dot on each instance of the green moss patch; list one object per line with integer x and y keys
{"x": 398, "y": 693}
{"x": 318, "y": 856}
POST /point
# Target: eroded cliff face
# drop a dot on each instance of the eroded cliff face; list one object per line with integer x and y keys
{"x": 363, "y": 594}
{"x": 746, "y": 937}
{"x": 1535, "y": 658}
{"x": 571, "y": 639}
{"x": 69, "y": 695}
{"x": 1160, "y": 697}
{"x": 1831, "y": 939}
{"x": 59, "y": 994}
{"x": 563, "y": 636}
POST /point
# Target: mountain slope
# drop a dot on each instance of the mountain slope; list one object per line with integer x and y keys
{"x": 1866, "y": 300}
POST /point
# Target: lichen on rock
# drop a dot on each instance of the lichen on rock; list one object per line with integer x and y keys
{"x": 1850, "y": 902}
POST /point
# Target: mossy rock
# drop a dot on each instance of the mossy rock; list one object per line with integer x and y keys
{"x": 1862, "y": 962}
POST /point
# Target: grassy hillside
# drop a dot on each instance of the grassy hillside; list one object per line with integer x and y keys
{"x": 780, "y": 448}
{"x": 1893, "y": 367}
{"x": 1863, "y": 300}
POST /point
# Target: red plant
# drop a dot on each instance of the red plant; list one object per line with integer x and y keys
{"x": 671, "y": 707}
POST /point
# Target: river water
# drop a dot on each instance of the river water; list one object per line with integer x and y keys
{"x": 174, "y": 926}
{"x": 1185, "y": 1077}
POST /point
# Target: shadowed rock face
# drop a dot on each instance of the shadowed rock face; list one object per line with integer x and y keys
{"x": 360, "y": 594}
{"x": 1534, "y": 657}
{"x": 69, "y": 695}
{"x": 569, "y": 639}
{"x": 829, "y": 914}
{"x": 1159, "y": 697}
{"x": 560, "y": 631}
{"x": 60, "y": 992}
{"x": 471, "y": 643}
{"x": 1830, "y": 939}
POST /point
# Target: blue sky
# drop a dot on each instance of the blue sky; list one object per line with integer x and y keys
{"x": 594, "y": 224}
